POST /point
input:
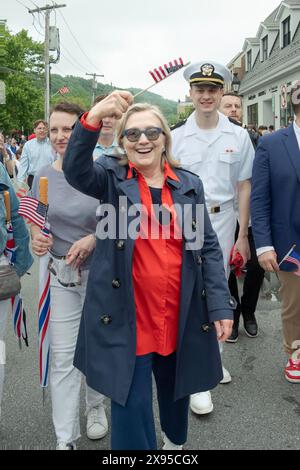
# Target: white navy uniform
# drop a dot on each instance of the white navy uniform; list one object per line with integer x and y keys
{"x": 221, "y": 157}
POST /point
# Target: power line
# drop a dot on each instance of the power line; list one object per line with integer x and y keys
{"x": 72, "y": 63}
{"x": 72, "y": 57}
{"x": 94, "y": 66}
{"x": 22, "y": 4}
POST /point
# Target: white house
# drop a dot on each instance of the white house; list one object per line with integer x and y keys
{"x": 272, "y": 64}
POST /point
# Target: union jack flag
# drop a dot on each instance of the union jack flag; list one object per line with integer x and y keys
{"x": 162, "y": 72}
{"x": 33, "y": 210}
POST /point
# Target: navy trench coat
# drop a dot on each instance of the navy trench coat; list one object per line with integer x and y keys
{"x": 106, "y": 346}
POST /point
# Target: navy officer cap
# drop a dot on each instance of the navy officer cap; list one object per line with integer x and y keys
{"x": 207, "y": 72}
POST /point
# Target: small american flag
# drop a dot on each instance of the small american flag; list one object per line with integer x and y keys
{"x": 63, "y": 90}
{"x": 33, "y": 210}
{"x": 294, "y": 258}
{"x": 162, "y": 72}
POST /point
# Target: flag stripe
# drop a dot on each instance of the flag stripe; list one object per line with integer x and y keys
{"x": 162, "y": 72}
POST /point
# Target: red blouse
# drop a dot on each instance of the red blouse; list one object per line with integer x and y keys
{"x": 157, "y": 274}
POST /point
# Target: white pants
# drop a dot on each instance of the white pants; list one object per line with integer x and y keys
{"x": 224, "y": 224}
{"x": 65, "y": 379}
{"x": 4, "y": 306}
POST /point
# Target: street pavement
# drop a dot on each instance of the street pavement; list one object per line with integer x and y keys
{"x": 259, "y": 409}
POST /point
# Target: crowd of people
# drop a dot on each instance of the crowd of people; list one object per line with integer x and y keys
{"x": 149, "y": 228}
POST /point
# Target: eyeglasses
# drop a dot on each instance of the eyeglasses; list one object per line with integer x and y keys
{"x": 134, "y": 134}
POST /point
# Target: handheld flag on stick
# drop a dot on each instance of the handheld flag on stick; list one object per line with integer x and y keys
{"x": 161, "y": 73}
{"x": 63, "y": 90}
{"x": 292, "y": 257}
{"x": 33, "y": 210}
{"x": 18, "y": 312}
{"x": 44, "y": 297}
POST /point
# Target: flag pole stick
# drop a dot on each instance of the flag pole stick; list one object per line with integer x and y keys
{"x": 290, "y": 251}
{"x": 156, "y": 83}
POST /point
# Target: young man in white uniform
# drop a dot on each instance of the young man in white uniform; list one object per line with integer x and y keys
{"x": 221, "y": 153}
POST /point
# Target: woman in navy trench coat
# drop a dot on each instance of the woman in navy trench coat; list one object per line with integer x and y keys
{"x": 108, "y": 338}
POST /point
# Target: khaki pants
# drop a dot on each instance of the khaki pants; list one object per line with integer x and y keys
{"x": 290, "y": 313}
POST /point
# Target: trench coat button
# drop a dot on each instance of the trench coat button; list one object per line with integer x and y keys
{"x": 206, "y": 327}
{"x": 106, "y": 319}
{"x": 116, "y": 283}
{"x": 203, "y": 294}
{"x": 194, "y": 225}
{"x": 120, "y": 244}
{"x": 198, "y": 259}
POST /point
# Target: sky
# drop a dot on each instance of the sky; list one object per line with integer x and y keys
{"x": 124, "y": 39}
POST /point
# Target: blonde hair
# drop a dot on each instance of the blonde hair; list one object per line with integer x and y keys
{"x": 139, "y": 108}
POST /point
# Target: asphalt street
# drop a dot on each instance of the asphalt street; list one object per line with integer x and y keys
{"x": 259, "y": 409}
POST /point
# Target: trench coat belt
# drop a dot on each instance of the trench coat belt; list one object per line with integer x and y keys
{"x": 215, "y": 209}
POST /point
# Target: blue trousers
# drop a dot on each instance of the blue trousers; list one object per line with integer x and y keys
{"x": 132, "y": 425}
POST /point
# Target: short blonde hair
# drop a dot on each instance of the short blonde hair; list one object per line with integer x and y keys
{"x": 141, "y": 107}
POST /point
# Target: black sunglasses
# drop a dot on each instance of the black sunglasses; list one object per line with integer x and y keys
{"x": 134, "y": 134}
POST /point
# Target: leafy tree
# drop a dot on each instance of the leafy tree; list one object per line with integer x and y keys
{"x": 21, "y": 69}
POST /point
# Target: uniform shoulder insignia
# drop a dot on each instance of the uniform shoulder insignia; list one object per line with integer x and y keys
{"x": 179, "y": 124}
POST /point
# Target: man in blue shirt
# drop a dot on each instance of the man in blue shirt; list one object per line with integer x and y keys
{"x": 36, "y": 153}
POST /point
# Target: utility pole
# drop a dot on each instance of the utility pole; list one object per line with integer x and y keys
{"x": 94, "y": 85}
{"x": 47, "y": 9}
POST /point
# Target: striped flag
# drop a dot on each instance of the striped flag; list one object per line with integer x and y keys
{"x": 18, "y": 312}
{"x": 63, "y": 90}
{"x": 19, "y": 319}
{"x": 162, "y": 72}
{"x": 294, "y": 258}
{"x": 44, "y": 314}
{"x": 33, "y": 210}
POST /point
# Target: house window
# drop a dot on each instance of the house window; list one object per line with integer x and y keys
{"x": 286, "y": 31}
{"x": 249, "y": 60}
{"x": 264, "y": 45}
{"x": 252, "y": 112}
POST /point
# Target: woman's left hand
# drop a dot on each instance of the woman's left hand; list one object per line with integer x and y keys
{"x": 223, "y": 328}
{"x": 80, "y": 250}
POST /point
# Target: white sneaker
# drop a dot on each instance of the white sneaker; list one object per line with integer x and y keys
{"x": 65, "y": 446}
{"x": 97, "y": 425}
{"x": 169, "y": 445}
{"x": 226, "y": 376}
{"x": 201, "y": 403}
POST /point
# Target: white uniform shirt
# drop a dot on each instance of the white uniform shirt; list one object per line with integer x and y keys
{"x": 221, "y": 157}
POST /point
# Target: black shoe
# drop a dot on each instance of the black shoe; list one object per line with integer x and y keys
{"x": 250, "y": 326}
{"x": 234, "y": 334}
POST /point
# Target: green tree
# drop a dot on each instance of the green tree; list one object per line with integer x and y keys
{"x": 21, "y": 69}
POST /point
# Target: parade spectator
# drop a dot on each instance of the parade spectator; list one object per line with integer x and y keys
{"x": 221, "y": 154}
{"x": 23, "y": 258}
{"x": 13, "y": 147}
{"x": 107, "y": 142}
{"x": 36, "y": 153}
{"x": 271, "y": 128}
{"x": 231, "y": 106}
{"x": 6, "y": 157}
{"x": 151, "y": 302}
{"x": 72, "y": 218}
{"x": 275, "y": 209}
